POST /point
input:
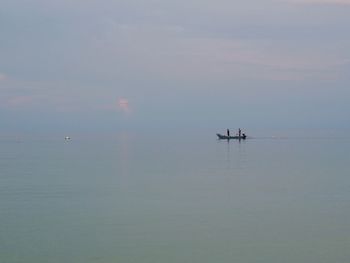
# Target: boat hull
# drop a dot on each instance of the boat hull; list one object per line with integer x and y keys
{"x": 225, "y": 137}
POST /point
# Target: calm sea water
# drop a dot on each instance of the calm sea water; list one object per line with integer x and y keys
{"x": 127, "y": 198}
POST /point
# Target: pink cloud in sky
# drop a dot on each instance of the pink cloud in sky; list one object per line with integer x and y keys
{"x": 248, "y": 60}
{"x": 2, "y": 76}
{"x": 19, "y": 101}
{"x": 30, "y": 101}
{"x": 325, "y": 2}
{"x": 123, "y": 105}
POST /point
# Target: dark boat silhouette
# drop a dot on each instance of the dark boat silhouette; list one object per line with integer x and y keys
{"x": 225, "y": 137}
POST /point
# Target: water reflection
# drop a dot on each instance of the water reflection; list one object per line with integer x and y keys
{"x": 235, "y": 156}
{"x": 124, "y": 152}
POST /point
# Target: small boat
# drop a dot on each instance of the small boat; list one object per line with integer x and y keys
{"x": 225, "y": 137}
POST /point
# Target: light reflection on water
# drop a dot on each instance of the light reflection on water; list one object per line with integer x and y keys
{"x": 138, "y": 199}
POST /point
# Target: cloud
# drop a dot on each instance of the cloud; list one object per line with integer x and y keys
{"x": 176, "y": 53}
{"x": 322, "y": 2}
{"x": 2, "y": 76}
{"x": 19, "y": 101}
{"x": 39, "y": 102}
{"x": 123, "y": 105}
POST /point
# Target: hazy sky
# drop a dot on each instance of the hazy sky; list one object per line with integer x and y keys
{"x": 107, "y": 65}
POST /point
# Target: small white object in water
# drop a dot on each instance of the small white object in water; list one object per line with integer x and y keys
{"x": 67, "y": 138}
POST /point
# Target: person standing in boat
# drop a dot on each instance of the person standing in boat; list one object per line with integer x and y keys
{"x": 239, "y": 132}
{"x": 228, "y": 133}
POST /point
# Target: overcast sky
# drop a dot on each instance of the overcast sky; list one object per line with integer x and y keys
{"x": 109, "y": 65}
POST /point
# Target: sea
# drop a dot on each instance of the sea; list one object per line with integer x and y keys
{"x": 174, "y": 198}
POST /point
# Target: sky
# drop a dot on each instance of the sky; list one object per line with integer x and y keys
{"x": 88, "y": 65}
